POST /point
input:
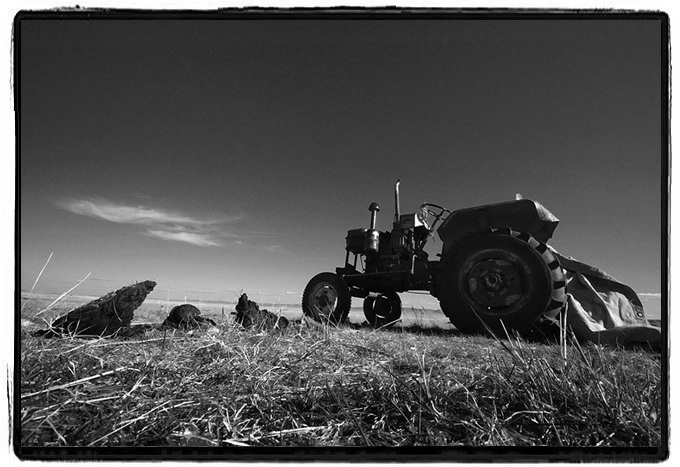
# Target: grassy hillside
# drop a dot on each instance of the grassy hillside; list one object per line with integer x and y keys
{"x": 318, "y": 386}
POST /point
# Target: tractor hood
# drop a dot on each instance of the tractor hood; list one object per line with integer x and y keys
{"x": 522, "y": 215}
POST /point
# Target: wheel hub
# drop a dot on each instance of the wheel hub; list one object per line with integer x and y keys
{"x": 383, "y": 306}
{"x": 324, "y": 300}
{"x": 495, "y": 283}
{"x": 492, "y": 281}
{"x": 382, "y": 309}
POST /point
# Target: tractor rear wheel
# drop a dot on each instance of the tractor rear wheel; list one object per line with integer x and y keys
{"x": 326, "y": 298}
{"x": 501, "y": 280}
{"x": 382, "y": 310}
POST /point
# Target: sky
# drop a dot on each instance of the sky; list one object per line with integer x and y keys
{"x": 221, "y": 156}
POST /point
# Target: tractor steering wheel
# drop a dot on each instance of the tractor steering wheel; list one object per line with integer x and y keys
{"x": 430, "y": 215}
{"x": 422, "y": 215}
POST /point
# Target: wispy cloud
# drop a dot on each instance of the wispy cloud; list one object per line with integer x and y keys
{"x": 133, "y": 214}
{"x": 198, "y": 239}
{"x": 164, "y": 224}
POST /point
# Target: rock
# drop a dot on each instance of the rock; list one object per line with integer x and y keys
{"x": 186, "y": 317}
{"x": 104, "y": 316}
{"x": 248, "y": 314}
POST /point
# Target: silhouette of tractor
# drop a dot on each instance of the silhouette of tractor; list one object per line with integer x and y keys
{"x": 494, "y": 270}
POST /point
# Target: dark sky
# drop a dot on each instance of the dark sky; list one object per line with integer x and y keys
{"x": 215, "y": 156}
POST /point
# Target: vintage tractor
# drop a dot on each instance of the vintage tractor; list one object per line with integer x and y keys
{"x": 495, "y": 271}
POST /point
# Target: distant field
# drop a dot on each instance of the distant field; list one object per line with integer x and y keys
{"x": 155, "y": 310}
{"x": 652, "y": 305}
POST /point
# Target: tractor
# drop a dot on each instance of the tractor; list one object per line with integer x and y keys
{"x": 495, "y": 271}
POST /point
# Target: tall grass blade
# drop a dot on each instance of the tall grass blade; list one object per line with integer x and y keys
{"x": 36, "y": 282}
{"x": 63, "y": 295}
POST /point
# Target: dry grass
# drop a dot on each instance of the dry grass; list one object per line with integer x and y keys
{"x": 345, "y": 386}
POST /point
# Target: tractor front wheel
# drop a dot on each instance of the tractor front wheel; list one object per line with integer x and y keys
{"x": 382, "y": 310}
{"x": 326, "y": 298}
{"x": 500, "y": 280}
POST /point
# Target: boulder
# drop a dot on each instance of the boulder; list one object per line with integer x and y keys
{"x": 186, "y": 317}
{"x": 248, "y": 314}
{"x": 107, "y": 315}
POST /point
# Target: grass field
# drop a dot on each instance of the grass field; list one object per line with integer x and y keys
{"x": 414, "y": 385}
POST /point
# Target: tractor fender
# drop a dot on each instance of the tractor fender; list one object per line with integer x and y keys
{"x": 522, "y": 215}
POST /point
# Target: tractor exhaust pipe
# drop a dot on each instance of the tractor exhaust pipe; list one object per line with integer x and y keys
{"x": 397, "y": 210}
{"x": 372, "y": 236}
{"x": 374, "y": 208}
